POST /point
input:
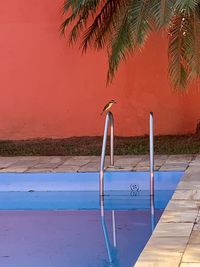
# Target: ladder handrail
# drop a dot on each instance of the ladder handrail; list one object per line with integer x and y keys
{"x": 151, "y": 144}
{"x": 109, "y": 120}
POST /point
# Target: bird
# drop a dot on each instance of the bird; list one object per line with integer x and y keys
{"x": 108, "y": 105}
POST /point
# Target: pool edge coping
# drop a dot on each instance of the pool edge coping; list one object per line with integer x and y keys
{"x": 173, "y": 241}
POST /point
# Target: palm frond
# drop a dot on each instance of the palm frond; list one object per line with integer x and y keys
{"x": 131, "y": 32}
{"x": 185, "y": 6}
{"x": 80, "y": 12}
{"x": 121, "y": 26}
{"x": 102, "y": 23}
{"x": 121, "y": 44}
{"x": 161, "y": 11}
{"x": 184, "y": 45}
{"x": 178, "y": 63}
{"x": 192, "y": 46}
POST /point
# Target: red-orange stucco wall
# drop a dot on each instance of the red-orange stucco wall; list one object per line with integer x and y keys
{"x": 51, "y": 90}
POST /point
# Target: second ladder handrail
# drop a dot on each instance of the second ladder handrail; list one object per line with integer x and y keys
{"x": 109, "y": 120}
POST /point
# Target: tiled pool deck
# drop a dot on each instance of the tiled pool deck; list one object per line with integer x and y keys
{"x": 176, "y": 239}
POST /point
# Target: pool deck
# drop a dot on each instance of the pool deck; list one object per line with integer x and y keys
{"x": 176, "y": 238}
{"x": 91, "y": 163}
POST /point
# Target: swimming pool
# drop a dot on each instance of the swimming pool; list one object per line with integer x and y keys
{"x": 55, "y": 219}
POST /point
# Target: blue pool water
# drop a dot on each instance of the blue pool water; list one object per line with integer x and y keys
{"x": 56, "y": 220}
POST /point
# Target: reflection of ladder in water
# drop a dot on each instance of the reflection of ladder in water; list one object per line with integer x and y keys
{"x": 110, "y": 121}
{"x": 114, "y": 261}
{"x": 112, "y": 250}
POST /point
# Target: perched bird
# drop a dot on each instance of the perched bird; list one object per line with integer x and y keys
{"x": 108, "y": 105}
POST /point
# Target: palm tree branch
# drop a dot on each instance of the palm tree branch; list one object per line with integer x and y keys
{"x": 101, "y": 24}
{"x": 178, "y": 63}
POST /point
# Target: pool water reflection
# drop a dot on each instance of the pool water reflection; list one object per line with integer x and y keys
{"x": 75, "y": 227}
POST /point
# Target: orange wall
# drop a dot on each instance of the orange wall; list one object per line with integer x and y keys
{"x": 50, "y": 90}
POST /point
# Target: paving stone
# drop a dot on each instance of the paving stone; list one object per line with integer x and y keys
{"x": 179, "y": 216}
{"x": 180, "y": 158}
{"x": 98, "y": 158}
{"x": 160, "y": 159}
{"x": 190, "y": 264}
{"x": 130, "y": 161}
{"x": 176, "y": 244}
{"x": 159, "y": 258}
{"x": 165, "y": 168}
{"x": 66, "y": 168}
{"x": 88, "y": 158}
{"x": 14, "y": 169}
{"x": 159, "y": 163}
{"x": 52, "y": 159}
{"x": 195, "y": 161}
{"x": 57, "y": 159}
{"x": 194, "y": 164}
{"x": 194, "y": 170}
{"x": 192, "y": 185}
{"x": 191, "y": 177}
{"x": 187, "y": 194}
{"x": 46, "y": 165}
{"x": 181, "y": 205}
{"x": 130, "y": 156}
{"x": 175, "y": 164}
{"x": 90, "y": 167}
{"x": 119, "y": 168}
{"x": 195, "y": 237}
{"x": 184, "y": 194}
{"x": 6, "y": 162}
{"x": 197, "y": 223}
{"x": 144, "y": 163}
{"x": 173, "y": 229}
{"x": 174, "y": 167}
{"x": 141, "y": 168}
{"x": 145, "y": 168}
{"x": 76, "y": 162}
{"x": 192, "y": 253}
{"x": 24, "y": 163}
{"x": 10, "y": 158}
{"x": 38, "y": 170}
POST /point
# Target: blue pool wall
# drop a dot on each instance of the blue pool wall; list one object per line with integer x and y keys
{"x": 86, "y": 181}
{"x": 79, "y": 191}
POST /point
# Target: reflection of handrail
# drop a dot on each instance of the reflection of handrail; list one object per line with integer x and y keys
{"x": 109, "y": 120}
{"x": 114, "y": 229}
{"x": 152, "y": 208}
{"x": 111, "y": 255}
{"x": 151, "y": 135}
{"x": 107, "y": 241}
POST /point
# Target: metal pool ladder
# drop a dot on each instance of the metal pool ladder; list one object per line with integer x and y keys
{"x": 109, "y": 121}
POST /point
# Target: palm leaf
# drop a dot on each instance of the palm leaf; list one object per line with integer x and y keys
{"x": 161, "y": 12}
{"x": 178, "y": 63}
{"x": 131, "y": 32}
{"x": 80, "y": 12}
{"x": 121, "y": 26}
{"x": 104, "y": 22}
